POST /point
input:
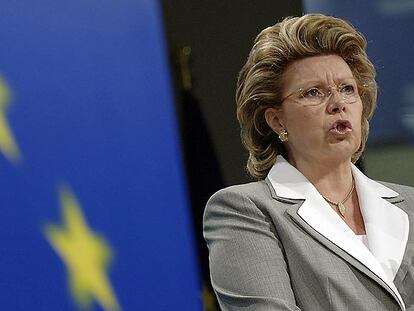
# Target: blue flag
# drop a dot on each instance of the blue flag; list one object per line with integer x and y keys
{"x": 94, "y": 205}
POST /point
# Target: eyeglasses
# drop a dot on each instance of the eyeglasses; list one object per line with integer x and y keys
{"x": 316, "y": 95}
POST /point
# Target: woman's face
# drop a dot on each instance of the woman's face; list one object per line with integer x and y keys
{"x": 321, "y": 111}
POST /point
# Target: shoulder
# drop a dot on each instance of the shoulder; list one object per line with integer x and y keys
{"x": 248, "y": 199}
{"x": 258, "y": 193}
{"x": 403, "y": 190}
{"x": 250, "y": 190}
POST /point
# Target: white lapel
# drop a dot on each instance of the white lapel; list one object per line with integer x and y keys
{"x": 387, "y": 226}
{"x": 289, "y": 183}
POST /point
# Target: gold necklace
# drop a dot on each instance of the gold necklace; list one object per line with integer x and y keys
{"x": 340, "y": 205}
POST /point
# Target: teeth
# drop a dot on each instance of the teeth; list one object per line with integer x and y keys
{"x": 340, "y": 127}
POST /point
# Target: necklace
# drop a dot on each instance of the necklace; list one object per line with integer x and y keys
{"x": 340, "y": 205}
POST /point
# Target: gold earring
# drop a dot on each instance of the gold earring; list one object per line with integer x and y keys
{"x": 283, "y": 135}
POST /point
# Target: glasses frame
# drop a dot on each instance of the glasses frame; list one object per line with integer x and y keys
{"x": 327, "y": 92}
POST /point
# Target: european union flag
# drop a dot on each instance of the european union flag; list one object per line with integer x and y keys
{"x": 94, "y": 206}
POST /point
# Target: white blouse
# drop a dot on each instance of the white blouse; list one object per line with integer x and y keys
{"x": 364, "y": 239}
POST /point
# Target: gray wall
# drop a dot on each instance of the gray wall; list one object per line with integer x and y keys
{"x": 393, "y": 163}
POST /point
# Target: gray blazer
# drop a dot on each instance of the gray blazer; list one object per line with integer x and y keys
{"x": 264, "y": 256}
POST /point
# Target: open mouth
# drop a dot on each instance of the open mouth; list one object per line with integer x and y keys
{"x": 341, "y": 127}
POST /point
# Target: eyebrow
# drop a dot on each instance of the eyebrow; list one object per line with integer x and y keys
{"x": 320, "y": 82}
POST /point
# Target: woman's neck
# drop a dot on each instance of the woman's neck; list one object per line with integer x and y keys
{"x": 332, "y": 179}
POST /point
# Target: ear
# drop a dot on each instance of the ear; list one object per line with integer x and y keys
{"x": 274, "y": 118}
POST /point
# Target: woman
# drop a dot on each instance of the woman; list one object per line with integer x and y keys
{"x": 313, "y": 233}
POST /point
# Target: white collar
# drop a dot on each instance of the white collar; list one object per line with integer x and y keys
{"x": 292, "y": 184}
{"x": 386, "y": 225}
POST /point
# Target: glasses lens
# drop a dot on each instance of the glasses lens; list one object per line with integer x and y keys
{"x": 348, "y": 93}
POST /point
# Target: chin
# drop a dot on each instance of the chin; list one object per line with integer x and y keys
{"x": 340, "y": 153}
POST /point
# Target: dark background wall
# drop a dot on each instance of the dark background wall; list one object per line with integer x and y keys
{"x": 221, "y": 34}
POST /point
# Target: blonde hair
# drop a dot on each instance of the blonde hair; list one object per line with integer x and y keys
{"x": 260, "y": 79}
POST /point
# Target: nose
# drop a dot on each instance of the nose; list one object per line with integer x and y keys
{"x": 336, "y": 102}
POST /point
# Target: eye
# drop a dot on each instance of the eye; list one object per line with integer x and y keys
{"x": 311, "y": 93}
{"x": 347, "y": 89}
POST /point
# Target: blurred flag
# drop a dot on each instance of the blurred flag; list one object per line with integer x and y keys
{"x": 91, "y": 105}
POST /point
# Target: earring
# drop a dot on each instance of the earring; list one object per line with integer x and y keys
{"x": 283, "y": 135}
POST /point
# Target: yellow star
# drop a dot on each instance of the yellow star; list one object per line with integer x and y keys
{"x": 85, "y": 254}
{"x": 7, "y": 142}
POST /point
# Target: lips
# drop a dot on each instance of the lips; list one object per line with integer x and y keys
{"x": 341, "y": 127}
